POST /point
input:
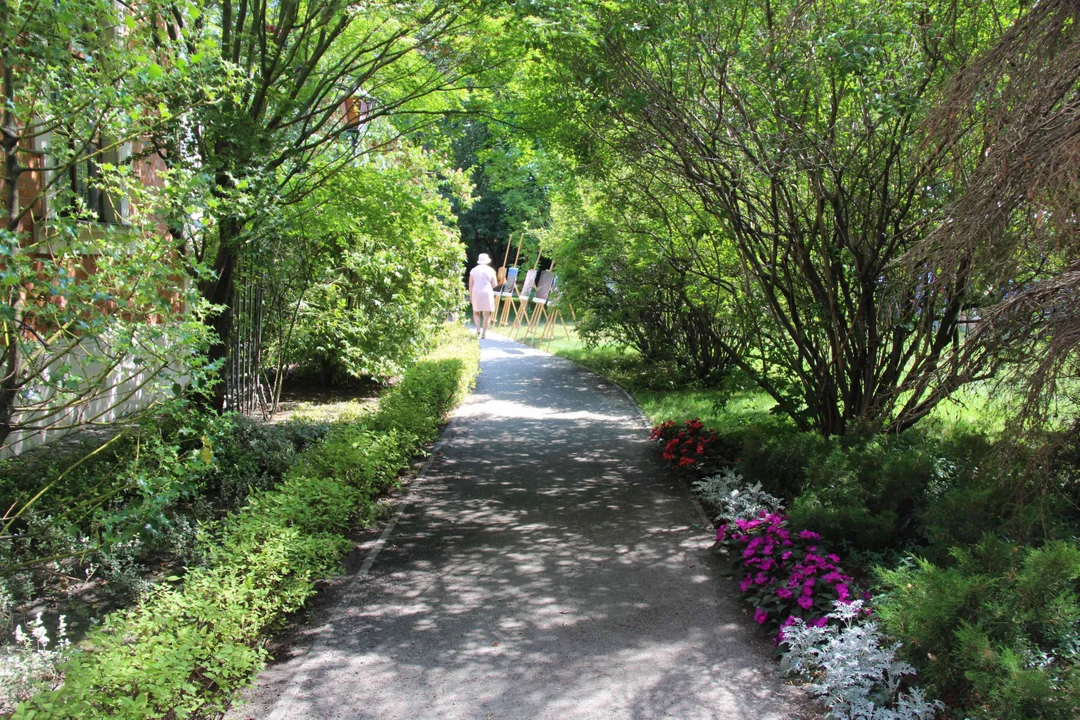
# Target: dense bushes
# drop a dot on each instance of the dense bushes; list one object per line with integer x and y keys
{"x": 997, "y": 630}
{"x": 139, "y": 500}
{"x": 183, "y": 649}
{"x": 974, "y": 562}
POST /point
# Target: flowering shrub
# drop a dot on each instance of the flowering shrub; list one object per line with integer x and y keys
{"x": 733, "y": 499}
{"x": 788, "y": 576}
{"x": 29, "y": 664}
{"x": 854, "y": 671}
{"x": 692, "y": 445}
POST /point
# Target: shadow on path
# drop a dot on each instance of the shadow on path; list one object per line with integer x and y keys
{"x": 547, "y": 567}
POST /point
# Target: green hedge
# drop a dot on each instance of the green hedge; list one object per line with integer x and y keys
{"x": 997, "y": 632}
{"x": 185, "y": 648}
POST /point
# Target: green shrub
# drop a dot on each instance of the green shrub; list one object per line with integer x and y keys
{"x": 868, "y": 492}
{"x": 780, "y": 461}
{"x": 368, "y": 460}
{"x": 997, "y": 632}
{"x": 183, "y": 649}
{"x": 431, "y": 388}
{"x": 254, "y": 455}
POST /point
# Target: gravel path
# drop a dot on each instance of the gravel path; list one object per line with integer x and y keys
{"x": 545, "y": 566}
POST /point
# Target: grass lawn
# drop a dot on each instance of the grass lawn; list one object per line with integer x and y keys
{"x": 976, "y": 407}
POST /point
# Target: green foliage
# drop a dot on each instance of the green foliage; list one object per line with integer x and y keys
{"x": 254, "y": 455}
{"x": 631, "y": 290}
{"x": 80, "y": 101}
{"x": 997, "y": 630}
{"x": 140, "y": 497}
{"x": 384, "y": 263}
{"x": 186, "y": 647}
{"x": 432, "y": 387}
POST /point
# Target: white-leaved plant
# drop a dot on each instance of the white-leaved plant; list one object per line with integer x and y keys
{"x": 854, "y": 672}
{"x": 733, "y": 499}
{"x": 29, "y": 663}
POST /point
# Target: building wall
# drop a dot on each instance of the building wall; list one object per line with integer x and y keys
{"x": 125, "y": 389}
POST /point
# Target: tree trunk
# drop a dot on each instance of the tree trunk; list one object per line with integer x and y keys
{"x": 219, "y": 291}
{"x": 12, "y": 360}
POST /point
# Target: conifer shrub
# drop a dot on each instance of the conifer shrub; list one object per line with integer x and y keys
{"x": 996, "y": 631}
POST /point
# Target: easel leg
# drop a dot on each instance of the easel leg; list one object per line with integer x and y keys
{"x": 521, "y": 308}
{"x": 549, "y": 328}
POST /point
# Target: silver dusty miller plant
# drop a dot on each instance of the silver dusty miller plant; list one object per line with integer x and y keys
{"x": 734, "y": 499}
{"x": 855, "y": 674}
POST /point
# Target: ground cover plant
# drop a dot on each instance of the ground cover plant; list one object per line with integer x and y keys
{"x": 191, "y": 640}
{"x": 975, "y": 594}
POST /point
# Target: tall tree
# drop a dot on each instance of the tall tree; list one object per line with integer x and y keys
{"x": 316, "y": 73}
{"x": 798, "y": 127}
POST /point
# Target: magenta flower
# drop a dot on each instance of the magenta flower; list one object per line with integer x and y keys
{"x": 805, "y": 602}
{"x": 746, "y": 583}
{"x": 720, "y": 532}
{"x": 761, "y": 616}
{"x": 809, "y": 535}
{"x": 784, "y": 592}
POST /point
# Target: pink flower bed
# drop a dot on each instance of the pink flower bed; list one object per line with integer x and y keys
{"x": 787, "y": 575}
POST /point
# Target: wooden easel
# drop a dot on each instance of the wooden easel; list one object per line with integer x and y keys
{"x": 555, "y": 317}
{"x": 501, "y": 277}
{"x": 498, "y": 296}
{"x": 522, "y": 309}
{"x": 540, "y": 312}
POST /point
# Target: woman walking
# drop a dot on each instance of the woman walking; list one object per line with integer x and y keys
{"x": 482, "y": 282}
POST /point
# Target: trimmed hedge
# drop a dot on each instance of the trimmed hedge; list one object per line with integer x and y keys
{"x": 185, "y": 648}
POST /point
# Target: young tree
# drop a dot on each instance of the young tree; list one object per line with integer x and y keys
{"x": 316, "y": 74}
{"x": 369, "y": 265}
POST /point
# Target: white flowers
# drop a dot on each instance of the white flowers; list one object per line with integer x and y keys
{"x": 30, "y": 662}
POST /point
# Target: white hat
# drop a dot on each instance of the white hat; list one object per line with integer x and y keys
{"x": 483, "y": 259}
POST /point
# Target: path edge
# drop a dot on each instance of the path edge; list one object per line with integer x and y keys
{"x": 282, "y": 708}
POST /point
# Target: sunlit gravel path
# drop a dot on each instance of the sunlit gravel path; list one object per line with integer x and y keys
{"x": 546, "y": 566}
